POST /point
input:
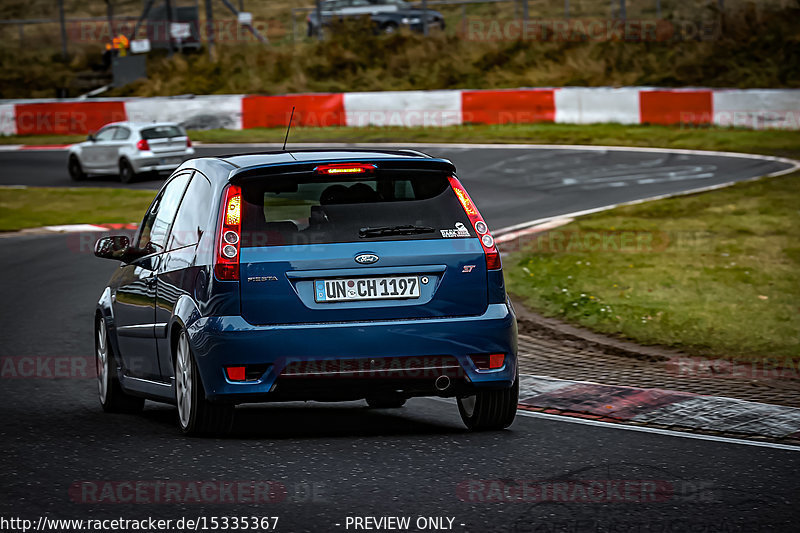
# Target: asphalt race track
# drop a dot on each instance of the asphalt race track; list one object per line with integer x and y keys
{"x": 334, "y": 461}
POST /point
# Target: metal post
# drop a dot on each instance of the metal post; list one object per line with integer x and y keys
{"x": 425, "y": 17}
{"x": 319, "y": 20}
{"x": 110, "y": 16}
{"x": 566, "y": 9}
{"x": 63, "y": 29}
{"x": 525, "y": 10}
{"x": 210, "y": 28}
{"x": 21, "y": 35}
{"x": 622, "y": 9}
{"x": 168, "y": 6}
{"x": 658, "y": 9}
{"x": 294, "y": 26}
{"x": 143, "y": 16}
{"x": 250, "y": 28}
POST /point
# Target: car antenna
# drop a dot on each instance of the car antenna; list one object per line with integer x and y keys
{"x": 287, "y": 132}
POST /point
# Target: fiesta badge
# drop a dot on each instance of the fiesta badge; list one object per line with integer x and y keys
{"x": 366, "y": 259}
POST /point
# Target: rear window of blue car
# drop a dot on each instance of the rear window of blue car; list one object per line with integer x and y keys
{"x": 308, "y": 209}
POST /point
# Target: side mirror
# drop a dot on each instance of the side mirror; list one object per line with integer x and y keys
{"x": 91, "y": 137}
{"x": 116, "y": 247}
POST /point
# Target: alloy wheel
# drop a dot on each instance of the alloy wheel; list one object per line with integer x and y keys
{"x": 183, "y": 380}
{"x": 102, "y": 361}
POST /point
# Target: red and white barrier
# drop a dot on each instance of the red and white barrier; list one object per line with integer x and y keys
{"x": 311, "y": 110}
{"x": 403, "y": 108}
{"x": 207, "y": 112}
{"x": 757, "y": 108}
{"x": 509, "y": 106}
{"x": 8, "y": 126}
{"x": 746, "y": 108}
{"x": 583, "y": 105}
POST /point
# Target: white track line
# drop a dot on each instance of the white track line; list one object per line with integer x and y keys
{"x": 668, "y": 432}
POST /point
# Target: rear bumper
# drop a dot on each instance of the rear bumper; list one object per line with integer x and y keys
{"x": 155, "y": 162}
{"x": 421, "y": 350}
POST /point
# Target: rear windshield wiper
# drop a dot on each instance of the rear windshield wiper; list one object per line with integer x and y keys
{"x": 380, "y": 231}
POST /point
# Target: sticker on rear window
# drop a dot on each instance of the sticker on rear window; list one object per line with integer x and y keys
{"x": 459, "y": 231}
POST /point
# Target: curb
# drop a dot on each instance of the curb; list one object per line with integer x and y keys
{"x": 71, "y": 228}
{"x": 659, "y": 408}
{"x": 39, "y": 147}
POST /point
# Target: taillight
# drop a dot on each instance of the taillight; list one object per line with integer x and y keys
{"x": 229, "y": 236}
{"x": 486, "y": 361}
{"x": 188, "y": 142}
{"x": 475, "y": 218}
{"x": 142, "y": 145}
{"x": 235, "y": 373}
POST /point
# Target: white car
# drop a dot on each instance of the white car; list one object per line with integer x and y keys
{"x": 128, "y": 149}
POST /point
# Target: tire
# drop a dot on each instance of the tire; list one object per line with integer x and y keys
{"x": 386, "y": 402}
{"x": 490, "y": 409}
{"x": 196, "y": 415}
{"x": 112, "y": 397}
{"x": 75, "y": 169}
{"x": 126, "y": 172}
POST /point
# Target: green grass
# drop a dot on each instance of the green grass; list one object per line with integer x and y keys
{"x": 42, "y": 206}
{"x": 771, "y": 142}
{"x": 715, "y": 274}
{"x": 41, "y": 139}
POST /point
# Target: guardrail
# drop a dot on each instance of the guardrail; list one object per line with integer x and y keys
{"x": 743, "y": 108}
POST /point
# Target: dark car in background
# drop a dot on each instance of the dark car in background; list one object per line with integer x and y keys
{"x": 387, "y": 15}
{"x": 308, "y": 275}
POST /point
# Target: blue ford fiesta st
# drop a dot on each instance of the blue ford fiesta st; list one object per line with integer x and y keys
{"x": 307, "y": 275}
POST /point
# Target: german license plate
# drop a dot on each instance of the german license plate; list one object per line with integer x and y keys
{"x": 388, "y": 288}
{"x": 170, "y": 161}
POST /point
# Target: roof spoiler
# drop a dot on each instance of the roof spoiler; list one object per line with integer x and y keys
{"x": 303, "y": 167}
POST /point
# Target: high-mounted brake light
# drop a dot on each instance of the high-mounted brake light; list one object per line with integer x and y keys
{"x": 142, "y": 145}
{"x": 345, "y": 168}
{"x": 475, "y": 218}
{"x": 229, "y": 236}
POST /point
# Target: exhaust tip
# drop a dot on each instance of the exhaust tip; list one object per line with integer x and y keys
{"x": 442, "y": 383}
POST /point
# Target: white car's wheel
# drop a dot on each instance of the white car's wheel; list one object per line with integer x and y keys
{"x": 75, "y": 168}
{"x": 196, "y": 415}
{"x": 126, "y": 172}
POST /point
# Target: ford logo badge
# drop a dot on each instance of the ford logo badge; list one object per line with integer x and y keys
{"x": 366, "y": 259}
